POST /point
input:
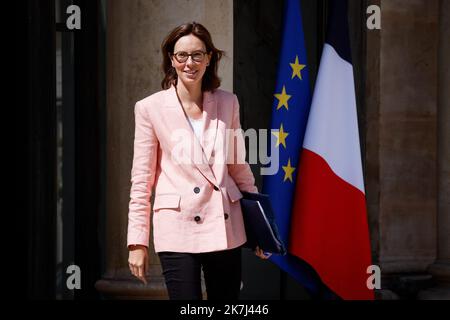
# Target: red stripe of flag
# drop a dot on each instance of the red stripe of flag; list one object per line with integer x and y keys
{"x": 329, "y": 228}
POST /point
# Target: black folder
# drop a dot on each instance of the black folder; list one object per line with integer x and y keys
{"x": 259, "y": 220}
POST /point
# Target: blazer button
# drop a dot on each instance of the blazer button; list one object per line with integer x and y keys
{"x": 197, "y": 218}
{"x": 216, "y": 188}
{"x": 225, "y": 216}
{"x": 196, "y": 189}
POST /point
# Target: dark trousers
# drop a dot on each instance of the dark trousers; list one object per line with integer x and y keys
{"x": 221, "y": 269}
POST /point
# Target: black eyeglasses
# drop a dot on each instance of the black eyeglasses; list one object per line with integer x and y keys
{"x": 182, "y": 57}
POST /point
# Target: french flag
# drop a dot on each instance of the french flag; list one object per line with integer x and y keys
{"x": 329, "y": 227}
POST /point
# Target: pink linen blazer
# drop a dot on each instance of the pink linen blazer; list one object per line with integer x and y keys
{"x": 196, "y": 206}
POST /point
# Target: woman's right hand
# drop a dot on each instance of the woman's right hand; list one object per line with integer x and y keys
{"x": 138, "y": 261}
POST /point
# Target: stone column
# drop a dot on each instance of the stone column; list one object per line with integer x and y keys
{"x": 401, "y": 142}
{"x": 135, "y": 30}
{"x": 408, "y": 129}
{"x": 441, "y": 268}
{"x": 372, "y": 144}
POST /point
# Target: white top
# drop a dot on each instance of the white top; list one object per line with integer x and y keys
{"x": 197, "y": 125}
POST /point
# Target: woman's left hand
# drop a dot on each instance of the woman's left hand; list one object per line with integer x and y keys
{"x": 260, "y": 253}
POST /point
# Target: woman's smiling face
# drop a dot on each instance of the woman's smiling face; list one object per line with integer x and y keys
{"x": 193, "y": 51}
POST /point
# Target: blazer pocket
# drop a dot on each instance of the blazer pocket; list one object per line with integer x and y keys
{"x": 167, "y": 201}
{"x": 234, "y": 193}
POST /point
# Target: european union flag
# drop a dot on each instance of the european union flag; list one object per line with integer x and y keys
{"x": 290, "y": 111}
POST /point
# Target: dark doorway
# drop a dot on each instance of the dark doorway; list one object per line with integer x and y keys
{"x": 63, "y": 89}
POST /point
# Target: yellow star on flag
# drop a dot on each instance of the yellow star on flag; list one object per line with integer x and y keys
{"x": 281, "y": 136}
{"x": 282, "y": 99}
{"x": 288, "y": 170}
{"x": 297, "y": 68}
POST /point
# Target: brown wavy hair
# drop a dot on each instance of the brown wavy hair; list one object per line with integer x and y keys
{"x": 210, "y": 80}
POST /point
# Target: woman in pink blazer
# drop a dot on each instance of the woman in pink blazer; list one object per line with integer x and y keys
{"x": 179, "y": 151}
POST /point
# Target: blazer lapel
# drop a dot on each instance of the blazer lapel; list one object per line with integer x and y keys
{"x": 197, "y": 153}
{"x": 209, "y": 123}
